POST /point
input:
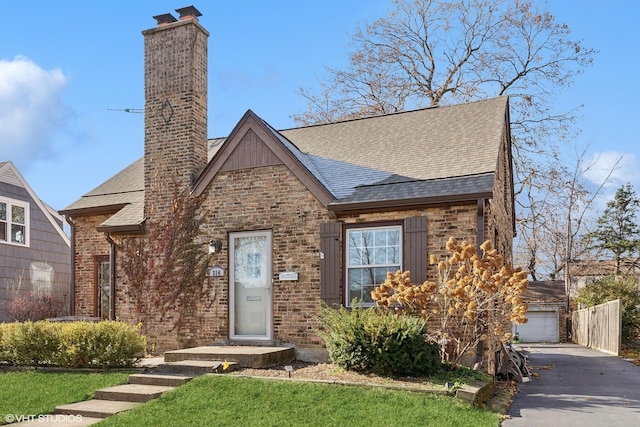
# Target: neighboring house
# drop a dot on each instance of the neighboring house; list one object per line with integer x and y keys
{"x": 584, "y": 272}
{"x": 296, "y": 216}
{"x": 35, "y": 253}
{"x": 547, "y": 313}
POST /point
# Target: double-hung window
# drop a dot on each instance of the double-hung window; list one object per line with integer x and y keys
{"x": 370, "y": 253}
{"x": 14, "y": 222}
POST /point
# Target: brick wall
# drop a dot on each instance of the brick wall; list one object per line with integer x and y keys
{"x": 443, "y": 222}
{"x": 271, "y": 198}
{"x": 499, "y": 218}
{"x": 89, "y": 243}
{"x": 266, "y": 198}
{"x": 175, "y": 110}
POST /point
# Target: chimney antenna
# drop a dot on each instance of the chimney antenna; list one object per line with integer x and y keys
{"x": 127, "y": 110}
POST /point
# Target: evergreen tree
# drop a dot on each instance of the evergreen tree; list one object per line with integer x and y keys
{"x": 617, "y": 230}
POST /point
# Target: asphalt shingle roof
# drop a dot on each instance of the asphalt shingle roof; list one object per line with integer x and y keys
{"x": 400, "y": 188}
{"x": 425, "y": 153}
{"x": 545, "y": 291}
{"x": 431, "y": 143}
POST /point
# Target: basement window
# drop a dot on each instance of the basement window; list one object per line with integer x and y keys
{"x": 14, "y": 222}
{"x": 371, "y": 253}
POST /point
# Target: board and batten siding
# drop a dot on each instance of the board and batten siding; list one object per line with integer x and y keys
{"x": 330, "y": 263}
{"x": 415, "y": 248}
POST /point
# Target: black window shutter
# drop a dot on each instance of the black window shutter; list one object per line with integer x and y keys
{"x": 330, "y": 263}
{"x": 415, "y": 248}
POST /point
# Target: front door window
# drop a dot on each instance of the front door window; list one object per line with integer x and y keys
{"x": 250, "y": 285}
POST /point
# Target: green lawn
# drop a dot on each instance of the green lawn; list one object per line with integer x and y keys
{"x": 36, "y": 392}
{"x": 233, "y": 401}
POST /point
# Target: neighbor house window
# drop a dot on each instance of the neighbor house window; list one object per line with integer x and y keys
{"x": 370, "y": 254}
{"x": 14, "y": 221}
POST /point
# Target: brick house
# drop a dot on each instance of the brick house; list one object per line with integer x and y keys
{"x": 293, "y": 217}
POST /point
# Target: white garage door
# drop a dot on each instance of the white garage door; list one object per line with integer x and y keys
{"x": 541, "y": 327}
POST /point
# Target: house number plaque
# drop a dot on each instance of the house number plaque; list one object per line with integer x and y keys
{"x": 216, "y": 272}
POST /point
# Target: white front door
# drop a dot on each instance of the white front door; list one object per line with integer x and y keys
{"x": 250, "y": 285}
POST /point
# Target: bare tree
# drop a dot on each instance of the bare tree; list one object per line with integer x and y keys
{"x": 426, "y": 53}
{"x": 552, "y": 234}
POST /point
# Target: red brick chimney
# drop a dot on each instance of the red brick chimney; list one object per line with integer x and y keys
{"x": 175, "y": 112}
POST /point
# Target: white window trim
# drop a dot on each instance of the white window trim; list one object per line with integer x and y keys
{"x": 347, "y": 248}
{"x": 27, "y": 220}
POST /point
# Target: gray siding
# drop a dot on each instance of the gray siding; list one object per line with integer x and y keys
{"x": 48, "y": 255}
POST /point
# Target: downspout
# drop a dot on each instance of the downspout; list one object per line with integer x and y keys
{"x": 112, "y": 276}
{"x": 480, "y": 225}
{"x": 480, "y": 347}
{"x": 72, "y": 276}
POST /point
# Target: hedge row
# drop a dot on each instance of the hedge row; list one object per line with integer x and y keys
{"x": 106, "y": 344}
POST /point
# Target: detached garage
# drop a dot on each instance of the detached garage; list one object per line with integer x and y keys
{"x": 547, "y": 313}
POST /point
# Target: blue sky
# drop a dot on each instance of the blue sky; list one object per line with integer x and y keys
{"x": 64, "y": 66}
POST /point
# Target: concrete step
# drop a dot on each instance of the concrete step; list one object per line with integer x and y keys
{"x": 59, "y": 420}
{"x": 94, "y": 408}
{"x": 244, "y": 356}
{"x": 167, "y": 380}
{"x": 131, "y": 392}
{"x": 195, "y": 367}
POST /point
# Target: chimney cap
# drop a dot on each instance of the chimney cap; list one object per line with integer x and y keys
{"x": 165, "y": 18}
{"x": 188, "y": 12}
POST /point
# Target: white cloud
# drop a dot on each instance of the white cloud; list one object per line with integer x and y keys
{"x": 623, "y": 167}
{"x": 31, "y": 110}
{"x": 617, "y": 169}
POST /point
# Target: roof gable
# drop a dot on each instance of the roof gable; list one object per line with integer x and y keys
{"x": 253, "y": 143}
{"x": 10, "y": 174}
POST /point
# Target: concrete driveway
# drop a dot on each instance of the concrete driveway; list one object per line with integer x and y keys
{"x": 576, "y": 386}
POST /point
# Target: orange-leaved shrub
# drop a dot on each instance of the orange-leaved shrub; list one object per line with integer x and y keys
{"x": 475, "y": 297}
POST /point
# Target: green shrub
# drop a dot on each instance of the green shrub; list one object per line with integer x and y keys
{"x": 73, "y": 344}
{"x": 370, "y": 340}
{"x": 30, "y": 343}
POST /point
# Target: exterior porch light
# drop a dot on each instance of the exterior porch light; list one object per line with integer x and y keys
{"x": 215, "y": 246}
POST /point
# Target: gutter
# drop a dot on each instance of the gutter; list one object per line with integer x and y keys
{"x": 94, "y": 210}
{"x": 131, "y": 228}
{"x": 480, "y": 226}
{"x": 391, "y": 204}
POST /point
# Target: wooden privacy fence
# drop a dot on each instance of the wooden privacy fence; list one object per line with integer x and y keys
{"x": 599, "y": 327}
